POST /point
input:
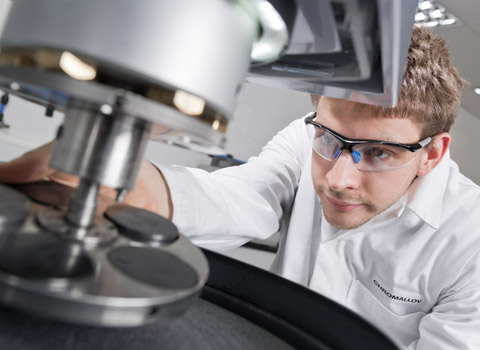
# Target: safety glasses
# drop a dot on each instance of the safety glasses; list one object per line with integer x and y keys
{"x": 368, "y": 155}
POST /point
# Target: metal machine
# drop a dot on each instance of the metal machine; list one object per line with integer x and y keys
{"x": 123, "y": 71}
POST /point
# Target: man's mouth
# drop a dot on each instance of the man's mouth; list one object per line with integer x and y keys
{"x": 342, "y": 206}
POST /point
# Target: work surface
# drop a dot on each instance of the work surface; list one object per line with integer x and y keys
{"x": 203, "y": 326}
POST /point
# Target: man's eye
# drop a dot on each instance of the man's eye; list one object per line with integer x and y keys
{"x": 378, "y": 153}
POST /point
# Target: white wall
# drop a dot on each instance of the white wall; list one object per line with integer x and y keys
{"x": 261, "y": 112}
{"x": 4, "y": 7}
{"x": 464, "y": 149}
{"x": 29, "y": 127}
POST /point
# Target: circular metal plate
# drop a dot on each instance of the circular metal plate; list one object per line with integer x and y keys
{"x": 14, "y": 208}
{"x": 39, "y": 257}
{"x": 94, "y": 276}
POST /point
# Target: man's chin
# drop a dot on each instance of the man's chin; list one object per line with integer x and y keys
{"x": 346, "y": 223}
{"x": 346, "y": 220}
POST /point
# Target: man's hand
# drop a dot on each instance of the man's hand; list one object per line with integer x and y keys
{"x": 151, "y": 190}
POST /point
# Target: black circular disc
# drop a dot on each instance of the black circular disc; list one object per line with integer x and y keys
{"x": 14, "y": 207}
{"x": 154, "y": 267}
{"x": 142, "y": 225}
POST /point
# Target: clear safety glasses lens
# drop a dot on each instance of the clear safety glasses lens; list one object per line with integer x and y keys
{"x": 367, "y": 156}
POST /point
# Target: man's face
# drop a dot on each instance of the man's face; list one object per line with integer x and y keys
{"x": 350, "y": 197}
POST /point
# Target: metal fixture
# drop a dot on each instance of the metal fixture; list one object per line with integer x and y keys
{"x": 119, "y": 72}
{"x": 349, "y": 49}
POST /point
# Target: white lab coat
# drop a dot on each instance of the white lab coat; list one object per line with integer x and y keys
{"x": 413, "y": 271}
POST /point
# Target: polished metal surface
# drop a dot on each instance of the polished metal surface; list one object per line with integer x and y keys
{"x": 349, "y": 49}
{"x": 173, "y": 42}
{"x": 14, "y": 208}
{"x": 191, "y": 56}
{"x": 200, "y": 133}
{"x": 83, "y": 204}
{"x": 101, "y": 148}
{"x": 95, "y": 232}
{"x": 68, "y": 262}
{"x": 117, "y": 282}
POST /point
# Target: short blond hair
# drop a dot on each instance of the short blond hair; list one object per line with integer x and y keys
{"x": 431, "y": 89}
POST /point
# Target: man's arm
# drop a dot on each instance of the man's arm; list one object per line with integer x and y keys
{"x": 230, "y": 206}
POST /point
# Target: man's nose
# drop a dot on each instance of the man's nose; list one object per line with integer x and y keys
{"x": 343, "y": 174}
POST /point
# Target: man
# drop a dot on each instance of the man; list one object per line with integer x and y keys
{"x": 381, "y": 220}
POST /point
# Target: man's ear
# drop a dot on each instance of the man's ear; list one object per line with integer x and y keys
{"x": 434, "y": 153}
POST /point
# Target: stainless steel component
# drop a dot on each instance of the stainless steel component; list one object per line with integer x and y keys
{"x": 161, "y": 50}
{"x": 275, "y": 28}
{"x": 112, "y": 90}
{"x": 96, "y": 232}
{"x": 349, "y": 49}
{"x": 95, "y": 273}
{"x": 83, "y": 204}
{"x": 121, "y": 195}
{"x": 110, "y": 280}
{"x": 14, "y": 209}
{"x": 39, "y": 86}
{"x": 103, "y": 149}
{"x": 139, "y": 37}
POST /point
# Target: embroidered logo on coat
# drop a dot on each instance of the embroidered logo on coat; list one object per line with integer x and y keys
{"x": 396, "y": 297}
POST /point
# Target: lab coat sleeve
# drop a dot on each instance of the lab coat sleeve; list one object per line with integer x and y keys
{"x": 226, "y": 208}
{"x": 454, "y": 323}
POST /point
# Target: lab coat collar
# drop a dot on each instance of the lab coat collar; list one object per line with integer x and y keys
{"x": 425, "y": 196}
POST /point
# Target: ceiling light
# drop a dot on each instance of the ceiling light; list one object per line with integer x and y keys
{"x": 424, "y": 5}
{"x": 431, "y": 14}
{"x": 447, "y": 21}
{"x": 477, "y": 90}
{"x": 420, "y": 16}
{"x": 437, "y": 13}
{"x": 430, "y": 24}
